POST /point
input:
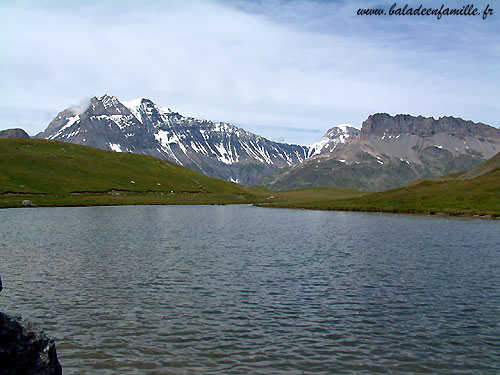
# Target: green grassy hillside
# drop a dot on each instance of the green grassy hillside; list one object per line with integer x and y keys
{"x": 53, "y": 173}
{"x": 450, "y": 195}
{"x": 41, "y": 166}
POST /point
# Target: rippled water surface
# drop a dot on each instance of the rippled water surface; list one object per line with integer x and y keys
{"x": 246, "y": 290}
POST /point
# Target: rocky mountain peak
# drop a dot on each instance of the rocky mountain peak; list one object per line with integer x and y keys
{"x": 333, "y": 137}
{"x": 108, "y": 100}
{"x": 13, "y": 133}
{"x": 141, "y": 126}
{"x": 150, "y": 114}
{"x": 342, "y": 130}
{"x": 106, "y": 105}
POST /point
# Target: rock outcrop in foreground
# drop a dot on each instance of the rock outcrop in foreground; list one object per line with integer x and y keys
{"x": 24, "y": 349}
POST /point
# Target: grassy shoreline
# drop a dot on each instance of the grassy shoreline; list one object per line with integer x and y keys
{"x": 478, "y": 197}
{"x": 286, "y": 199}
{"x": 51, "y": 200}
{"x": 380, "y": 210}
{"x": 84, "y": 200}
{"x": 58, "y": 174}
{"x": 120, "y": 197}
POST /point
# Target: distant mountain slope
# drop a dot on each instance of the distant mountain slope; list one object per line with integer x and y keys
{"x": 46, "y": 166}
{"x": 13, "y": 133}
{"x": 333, "y": 138}
{"x": 491, "y": 167}
{"x": 476, "y": 194}
{"x": 391, "y": 151}
{"x": 140, "y": 126}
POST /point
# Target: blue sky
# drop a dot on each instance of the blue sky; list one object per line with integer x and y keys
{"x": 287, "y": 70}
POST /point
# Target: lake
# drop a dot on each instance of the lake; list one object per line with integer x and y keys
{"x": 247, "y": 290}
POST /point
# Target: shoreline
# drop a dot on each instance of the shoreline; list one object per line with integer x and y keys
{"x": 200, "y": 199}
{"x": 388, "y": 211}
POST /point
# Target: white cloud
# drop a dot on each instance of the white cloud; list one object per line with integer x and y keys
{"x": 274, "y": 67}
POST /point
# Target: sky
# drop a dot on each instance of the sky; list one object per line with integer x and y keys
{"x": 286, "y": 70}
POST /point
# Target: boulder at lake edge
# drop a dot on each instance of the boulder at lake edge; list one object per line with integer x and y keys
{"x": 29, "y": 203}
{"x": 24, "y": 349}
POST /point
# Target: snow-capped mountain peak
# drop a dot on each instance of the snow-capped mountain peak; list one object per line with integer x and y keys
{"x": 345, "y": 127}
{"x": 140, "y": 126}
{"x": 333, "y": 137}
{"x": 108, "y": 101}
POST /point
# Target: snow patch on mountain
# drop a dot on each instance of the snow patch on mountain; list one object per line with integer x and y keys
{"x": 115, "y": 147}
{"x": 70, "y": 122}
{"x": 133, "y": 107}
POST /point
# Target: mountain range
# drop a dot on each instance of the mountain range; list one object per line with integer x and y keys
{"x": 392, "y": 151}
{"x": 388, "y": 151}
{"x": 140, "y": 126}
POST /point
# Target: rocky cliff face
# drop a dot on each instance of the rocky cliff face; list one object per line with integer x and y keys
{"x": 392, "y": 151}
{"x": 140, "y": 126}
{"x": 26, "y": 350}
{"x": 13, "y": 133}
{"x": 382, "y": 124}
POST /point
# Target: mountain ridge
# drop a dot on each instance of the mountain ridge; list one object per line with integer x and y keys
{"x": 381, "y": 124}
{"x": 216, "y": 149}
{"x": 13, "y": 133}
{"x": 387, "y": 152}
{"x": 392, "y": 151}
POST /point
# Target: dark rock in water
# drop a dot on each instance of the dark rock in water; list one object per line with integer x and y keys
{"x": 27, "y": 202}
{"x": 24, "y": 349}
{"x": 13, "y": 133}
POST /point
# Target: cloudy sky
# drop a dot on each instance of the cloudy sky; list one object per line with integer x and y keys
{"x": 287, "y": 70}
